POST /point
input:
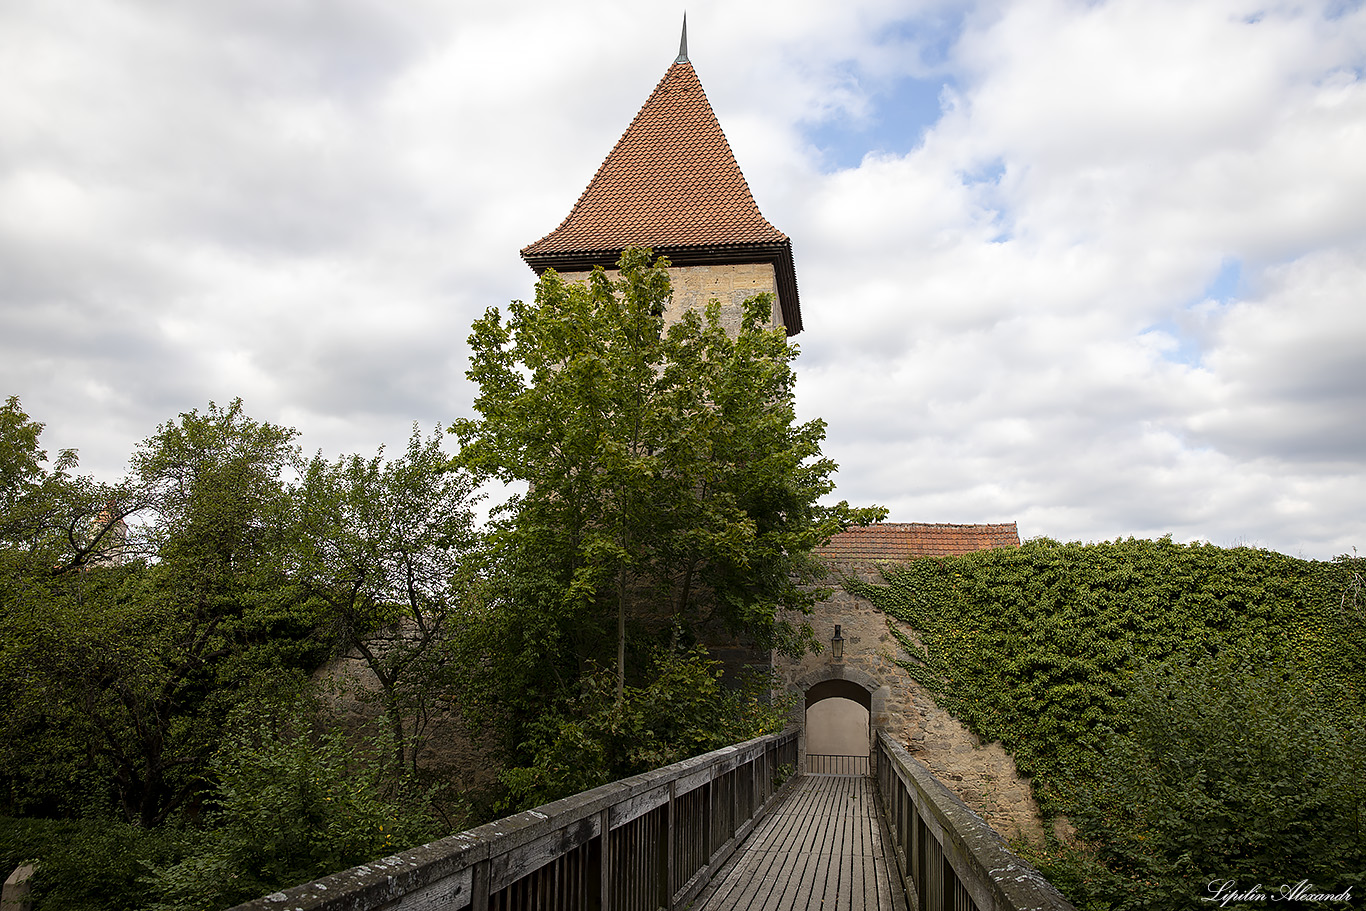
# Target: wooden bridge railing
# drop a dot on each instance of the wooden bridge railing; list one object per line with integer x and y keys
{"x": 836, "y": 764}
{"x": 648, "y": 842}
{"x": 949, "y": 859}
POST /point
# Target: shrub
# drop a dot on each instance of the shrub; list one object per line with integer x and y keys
{"x": 291, "y": 807}
{"x": 1037, "y": 647}
{"x": 1190, "y": 706}
{"x": 1229, "y": 770}
{"x": 684, "y": 711}
{"x": 87, "y": 864}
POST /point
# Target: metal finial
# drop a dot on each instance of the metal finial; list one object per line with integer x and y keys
{"x": 683, "y": 42}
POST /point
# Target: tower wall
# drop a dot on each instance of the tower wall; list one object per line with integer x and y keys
{"x": 729, "y": 283}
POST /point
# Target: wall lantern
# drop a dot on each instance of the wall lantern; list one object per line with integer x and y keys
{"x": 837, "y": 645}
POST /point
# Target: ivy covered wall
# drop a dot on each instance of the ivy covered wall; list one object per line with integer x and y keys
{"x": 1198, "y": 711}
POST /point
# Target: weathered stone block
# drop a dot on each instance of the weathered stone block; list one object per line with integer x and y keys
{"x": 15, "y": 895}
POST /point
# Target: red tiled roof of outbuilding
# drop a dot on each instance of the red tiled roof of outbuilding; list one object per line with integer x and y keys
{"x": 671, "y": 180}
{"x": 908, "y": 540}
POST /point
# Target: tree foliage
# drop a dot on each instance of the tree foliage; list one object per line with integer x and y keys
{"x": 54, "y": 526}
{"x": 670, "y": 498}
{"x": 388, "y": 547}
{"x": 681, "y": 710}
{"x": 131, "y": 669}
{"x": 51, "y": 520}
{"x": 125, "y": 672}
{"x": 1230, "y": 770}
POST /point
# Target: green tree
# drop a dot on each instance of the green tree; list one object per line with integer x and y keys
{"x": 52, "y": 521}
{"x": 54, "y": 525}
{"x": 388, "y": 547}
{"x": 670, "y": 494}
{"x": 214, "y": 483}
{"x": 21, "y": 471}
{"x": 1230, "y": 770}
{"x": 131, "y": 669}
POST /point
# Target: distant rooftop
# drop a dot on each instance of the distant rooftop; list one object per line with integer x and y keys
{"x": 908, "y": 540}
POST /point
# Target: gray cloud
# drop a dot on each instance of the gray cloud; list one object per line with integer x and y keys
{"x": 306, "y": 204}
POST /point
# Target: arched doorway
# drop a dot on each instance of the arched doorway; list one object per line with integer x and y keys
{"x": 838, "y": 712}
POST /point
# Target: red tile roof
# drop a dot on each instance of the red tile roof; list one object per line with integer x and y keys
{"x": 671, "y": 180}
{"x": 671, "y": 183}
{"x": 907, "y": 540}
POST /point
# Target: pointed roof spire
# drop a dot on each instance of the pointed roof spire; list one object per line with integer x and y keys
{"x": 671, "y": 183}
{"x": 683, "y": 42}
{"x": 670, "y": 180}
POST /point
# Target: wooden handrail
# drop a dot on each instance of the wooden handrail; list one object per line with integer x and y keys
{"x": 667, "y": 832}
{"x": 948, "y": 857}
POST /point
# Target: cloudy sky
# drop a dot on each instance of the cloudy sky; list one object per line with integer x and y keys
{"x": 1098, "y": 268}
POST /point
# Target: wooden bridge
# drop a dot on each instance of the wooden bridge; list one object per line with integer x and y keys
{"x": 742, "y": 828}
{"x": 823, "y": 847}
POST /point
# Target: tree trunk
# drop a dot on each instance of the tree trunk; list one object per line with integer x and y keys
{"x": 621, "y": 637}
{"x": 392, "y": 710}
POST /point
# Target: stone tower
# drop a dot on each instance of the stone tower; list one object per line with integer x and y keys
{"x": 671, "y": 183}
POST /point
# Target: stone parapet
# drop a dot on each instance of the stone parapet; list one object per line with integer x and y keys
{"x": 16, "y": 894}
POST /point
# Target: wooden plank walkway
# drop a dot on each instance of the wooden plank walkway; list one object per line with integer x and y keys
{"x": 823, "y": 848}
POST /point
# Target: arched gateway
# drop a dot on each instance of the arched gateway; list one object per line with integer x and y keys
{"x": 855, "y": 685}
{"x": 836, "y": 716}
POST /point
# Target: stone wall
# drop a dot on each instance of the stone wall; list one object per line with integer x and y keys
{"x": 730, "y": 284}
{"x": 982, "y": 775}
{"x": 351, "y": 698}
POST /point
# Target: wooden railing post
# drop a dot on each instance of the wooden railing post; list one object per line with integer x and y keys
{"x": 605, "y": 860}
{"x": 479, "y": 888}
{"x": 734, "y": 801}
{"x": 670, "y": 823}
{"x": 708, "y": 836}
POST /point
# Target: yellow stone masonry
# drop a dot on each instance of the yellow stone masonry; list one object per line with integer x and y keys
{"x": 730, "y": 283}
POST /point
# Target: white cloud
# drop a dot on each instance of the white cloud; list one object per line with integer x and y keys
{"x": 1289, "y": 367}
{"x": 1020, "y": 328}
{"x": 306, "y": 204}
